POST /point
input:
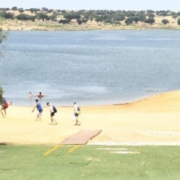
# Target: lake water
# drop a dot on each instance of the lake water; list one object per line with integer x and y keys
{"x": 90, "y": 67}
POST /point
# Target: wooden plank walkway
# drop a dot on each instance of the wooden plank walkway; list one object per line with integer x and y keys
{"x": 81, "y": 138}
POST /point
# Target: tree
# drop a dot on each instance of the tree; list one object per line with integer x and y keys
{"x": 79, "y": 21}
{"x": 150, "y": 20}
{"x": 24, "y": 17}
{"x": 162, "y": 13}
{"x": 178, "y": 21}
{"x": 14, "y": 8}
{"x": 130, "y": 13}
{"x": 44, "y": 9}
{"x": 21, "y": 10}
{"x": 42, "y": 16}
{"x": 64, "y": 21}
{"x": 142, "y": 17}
{"x": 178, "y": 13}
{"x": 118, "y": 17}
{"x": 8, "y": 15}
{"x": 50, "y": 10}
{"x": 165, "y": 21}
{"x": 151, "y": 15}
{"x": 34, "y": 10}
{"x": 2, "y": 37}
{"x": 175, "y": 16}
{"x": 72, "y": 15}
{"x": 108, "y": 20}
{"x": 150, "y": 11}
{"x": 53, "y": 17}
{"x": 1, "y": 95}
{"x": 129, "y": 21}
{"x": 136, "y": 19}
{"x": 99, "y": 19}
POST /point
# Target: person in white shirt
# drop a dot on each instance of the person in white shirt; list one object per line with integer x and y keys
{"x": 52, "y": 113}
{"x": 76, "y": 113}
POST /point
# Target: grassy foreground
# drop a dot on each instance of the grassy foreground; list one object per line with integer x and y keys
{"x": 89, "y": 162}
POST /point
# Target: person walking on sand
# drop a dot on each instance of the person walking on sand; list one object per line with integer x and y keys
{"x": 77, "y": 111}
{"x": 5, "y": 105}
{"x": 53, "y": 110}
{"x": 39, "y": 109}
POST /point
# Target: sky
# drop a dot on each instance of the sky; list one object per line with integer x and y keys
{"x": 173, "y": 5}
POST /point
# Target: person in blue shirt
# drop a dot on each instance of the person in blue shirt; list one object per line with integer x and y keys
{"x": 39, "y": 109}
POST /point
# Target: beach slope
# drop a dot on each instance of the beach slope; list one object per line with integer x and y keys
{"x": 154, "y": 120}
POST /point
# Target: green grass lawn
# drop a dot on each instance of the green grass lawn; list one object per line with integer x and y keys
{"x": 89, "y": 162}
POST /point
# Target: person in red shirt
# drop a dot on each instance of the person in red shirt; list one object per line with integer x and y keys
{"x": 5, "y": 105}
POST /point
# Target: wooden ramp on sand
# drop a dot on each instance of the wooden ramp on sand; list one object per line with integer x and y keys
{"x": 81, "y": 138}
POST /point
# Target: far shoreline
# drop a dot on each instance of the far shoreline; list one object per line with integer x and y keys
{"x": 78, "y": 30}
{"x": 63, "y": 20}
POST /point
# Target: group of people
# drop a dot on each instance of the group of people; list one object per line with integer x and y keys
{"x": 52, "y": 110}
{"x": 40, "y": 95}
{"x": 39, "y": 108}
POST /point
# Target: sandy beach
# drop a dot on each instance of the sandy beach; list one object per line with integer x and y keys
{"x": 153, "y": 120}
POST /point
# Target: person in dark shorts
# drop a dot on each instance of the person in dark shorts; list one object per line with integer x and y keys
{"x": 52, "y": 110}
{"x": 39, "y": 109}
{"x": 5, "y": 105}
{"x": 76, "y": 113}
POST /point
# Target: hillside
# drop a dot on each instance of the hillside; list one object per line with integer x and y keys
{"x": 45, "y": 19}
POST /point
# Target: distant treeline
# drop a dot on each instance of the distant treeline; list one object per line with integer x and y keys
{"x": 83, "y": 16}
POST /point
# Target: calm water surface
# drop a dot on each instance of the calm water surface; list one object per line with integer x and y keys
{"x": 90, "y": 67}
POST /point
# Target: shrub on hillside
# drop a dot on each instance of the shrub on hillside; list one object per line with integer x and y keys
{"x": 42, "y": 16}
{"x": 178, "y": 21}
{"x": 34, "y": 10}
{"x": 24, "y": 17}
{"x": 174, "y": 16}
{"x": 64, "y": 21}
{"x": 136, "y": 19}
{"x": 7, "y": 15}
{"x": 21, "y": 10}
{"x": 14, "y": 8}
{"x": 165, "y": 21}
{"x": 129, "y": 21}
{"x": 150, "y": 20}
